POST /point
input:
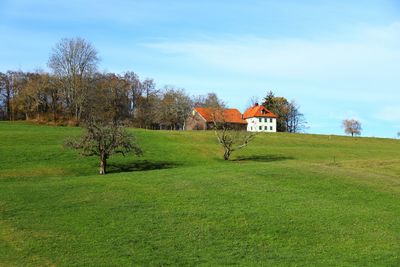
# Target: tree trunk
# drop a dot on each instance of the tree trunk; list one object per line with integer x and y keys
{"x": 103, "y": 165}
{"x": 227, "y": 154}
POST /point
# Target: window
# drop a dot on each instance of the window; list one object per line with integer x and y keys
{"x": 260, "y": 119}
{"x": 265, "y": 127}
{"x": 270, "y": 120}
{"x": 270, "y": 127}
{"x": 252, "y": 128}
{"x": 260, "y": 128}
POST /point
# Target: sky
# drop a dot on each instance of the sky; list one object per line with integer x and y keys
{"x": 337, "y": 59}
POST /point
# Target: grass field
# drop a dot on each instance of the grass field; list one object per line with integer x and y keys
{"x": 287, "y": 199}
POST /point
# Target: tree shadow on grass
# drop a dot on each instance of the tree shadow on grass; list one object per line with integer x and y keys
{"x": 264, "y": 158}
{"x": 142, "y": 165}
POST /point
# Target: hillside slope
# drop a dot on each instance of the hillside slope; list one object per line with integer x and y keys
{"x": 286, "y": 199}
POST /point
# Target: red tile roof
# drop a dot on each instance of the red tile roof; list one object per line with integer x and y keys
{"x": 230, "y": 115}
{"x": 258, "y": 111}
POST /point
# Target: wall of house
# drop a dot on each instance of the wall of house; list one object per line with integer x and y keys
{"x": 261, "y": 124}
{"x": 195, "y": 122}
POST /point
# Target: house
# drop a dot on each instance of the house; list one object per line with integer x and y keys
{"x": 255, "y": 119}
{"x": 260, "y": 119}
{"x": 203, "y": 119}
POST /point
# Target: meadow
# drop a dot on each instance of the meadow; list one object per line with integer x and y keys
{"x": 287, "y": 199}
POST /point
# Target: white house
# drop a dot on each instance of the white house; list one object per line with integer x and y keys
{"x": 260, "y": 119}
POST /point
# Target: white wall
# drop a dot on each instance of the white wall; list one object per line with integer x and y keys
{"x": 266, "y": 124}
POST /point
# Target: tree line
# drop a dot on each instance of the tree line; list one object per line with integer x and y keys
{"x": 75, "y": 90}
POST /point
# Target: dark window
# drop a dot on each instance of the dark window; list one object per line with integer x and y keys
{"x": 260, "y": 119}
{"x": 260, "y": 128}
{"x": 270, "y": 128}
{"x": 265, "y": 128}
{"x": 270, "y": 120}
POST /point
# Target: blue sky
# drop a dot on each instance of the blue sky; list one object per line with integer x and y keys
{"x": 337, "y": 59}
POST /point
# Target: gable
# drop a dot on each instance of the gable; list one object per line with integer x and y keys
{"x": 258, "y": 111}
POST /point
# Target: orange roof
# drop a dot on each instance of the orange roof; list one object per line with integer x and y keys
{"x": 230, "y": 115}
{"x": 258, "y": 111}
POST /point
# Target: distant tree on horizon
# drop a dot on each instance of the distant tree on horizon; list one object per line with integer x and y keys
{"x": 352, "y": 126}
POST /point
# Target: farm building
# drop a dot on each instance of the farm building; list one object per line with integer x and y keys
{"x": 203, "y": 118}
{"x": 260, "y": 119}
{"x": 255, "y": 119}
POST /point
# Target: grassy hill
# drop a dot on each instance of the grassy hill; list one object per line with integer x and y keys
{"x": 287, "y": 199}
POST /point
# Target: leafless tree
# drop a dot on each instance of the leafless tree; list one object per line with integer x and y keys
{"x": 210, "y": 100}
{"x": 295, "y": 120}
{"x": 252, "y": 101}
{"x": 9, "y": 84}
{"x": 147, "y": 105}
{"x": 135, "y": 92}
{"x": 230, "y": 138}
{"x": 352, "y": 126}
{"x": 104, "y": 140}
{"x": 73, "y": 61}
{"x": 174, "y": 108}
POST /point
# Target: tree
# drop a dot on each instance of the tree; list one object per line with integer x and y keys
{"x": 252, "y": 102}
{"x": 174, "y": 108}
{"x": 295, "y": 121}
{"x": 210, "y": 100}
{"x": 104, "y": 140}
{"x": 108, "y": 98}
{"x": 32, "y": 97}
{"x": 10, "y": 83}
{"x": 290, "y": 119}
{"x": 398, "y": 134}
{"x": 352, "y": 126}
{"x": 73, "y": 61}
{"x": 147, "y": 105}
{"x": 135, "y": 92}
{"x": 229, "y": 138}
{"x": 279, "y": 106}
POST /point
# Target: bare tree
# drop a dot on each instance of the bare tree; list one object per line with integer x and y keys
{"x": 295, "y": 120}
{"x": 73, "y": 61}
{"x": 135, "y": 92}
{"x": 104, "y": 140}
{"x": 230, "y": 138}
{"x": 10, "y": 83}
{"x": 210, "y": 100}
{"x": 352, "y": 126}
{"x": 252, "y": 101}
{"x": 147, "y": 105}
{"x": 174, "y": 108}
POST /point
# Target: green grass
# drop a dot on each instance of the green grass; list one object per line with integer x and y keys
{"x": 287, "y": 199}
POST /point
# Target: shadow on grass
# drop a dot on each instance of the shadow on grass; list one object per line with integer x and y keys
{"x": 143, "y": 165}
{"x": 264, "y": 158}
